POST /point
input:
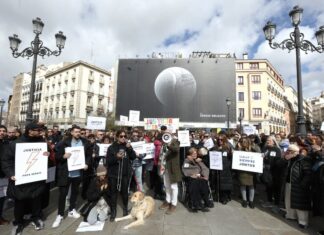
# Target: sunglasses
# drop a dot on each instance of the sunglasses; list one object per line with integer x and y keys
{"x": 122, "y": 136}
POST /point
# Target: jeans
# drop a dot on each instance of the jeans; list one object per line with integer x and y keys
{"x": 138, "y": 178}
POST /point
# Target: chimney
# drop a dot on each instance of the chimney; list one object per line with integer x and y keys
{"x": 245, "y": 56}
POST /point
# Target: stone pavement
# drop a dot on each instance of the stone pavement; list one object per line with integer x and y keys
{"x": 222, "y": 219}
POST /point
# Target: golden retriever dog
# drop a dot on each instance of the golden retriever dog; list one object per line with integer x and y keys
{"x": 143, "y": 207}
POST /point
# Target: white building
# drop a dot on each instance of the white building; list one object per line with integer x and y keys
{"x": 76, "y": 91}
{"x": 317, "y": 104}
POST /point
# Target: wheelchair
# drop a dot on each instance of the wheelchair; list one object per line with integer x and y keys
{"x": 184, "y": 196}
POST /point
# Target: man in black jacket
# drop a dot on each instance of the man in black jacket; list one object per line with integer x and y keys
{"x": 27, "y": 196}
{"x": 66, "y": 177}
{"x": 119, "y": 157}
{"x": 3, "y": 144}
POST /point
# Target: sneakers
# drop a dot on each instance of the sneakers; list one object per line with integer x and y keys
{"x": 73, "y": 214}
{"x": 17, "y": 230}
{"x": 164, "y": 206}
{"x": 57, "y": 221}
{"x": 171, "y": 209}
{"x": 38, "y": 224}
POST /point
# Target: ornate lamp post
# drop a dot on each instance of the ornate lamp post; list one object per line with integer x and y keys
{"x": 228, "y": 104}
{"x": 240, "y": 118}
{"x": 34, "y": 50}
{"x": 297, "y": 42}
{"x": 2, "y": 103}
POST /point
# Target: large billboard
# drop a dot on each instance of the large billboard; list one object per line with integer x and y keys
{"x": 193, "y": 90}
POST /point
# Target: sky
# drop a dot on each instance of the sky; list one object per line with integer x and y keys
{"x": 101, "y": 31}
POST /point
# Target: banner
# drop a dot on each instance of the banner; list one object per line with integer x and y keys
{"x": 155, "y": 123}
{"x": 150, "y": 151}
{"x": 183, "y": 137}
{"x": 247, "y": 161}
{"x": 134, "y": 117}
{"x": 103, "y": 148}
{"x": 139, "y": 147}
{"x": 30, "y": 163}
{"x": 96, "y": 123}
{"x": 216, "y": 160}
{"x": 77, "y": 159}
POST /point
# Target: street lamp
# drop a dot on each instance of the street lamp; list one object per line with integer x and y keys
{"x": 297, "y": 42}
{"x": 228, "y": 103}
{"x": 34, "y": 50}
{"x": 2, "y": 103}
{"x": 240, "y": 118}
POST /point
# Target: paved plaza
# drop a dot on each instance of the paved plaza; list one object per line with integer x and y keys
{"x": 229, "y": 219}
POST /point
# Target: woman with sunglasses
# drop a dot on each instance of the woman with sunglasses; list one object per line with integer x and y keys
{"x": 119, "y": 166}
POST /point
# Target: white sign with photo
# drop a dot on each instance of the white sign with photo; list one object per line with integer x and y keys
{"x": 30, "y": 163}
{"x": 216, "y": 160}
{"x": 247, "y": 161}
{"x": 139, "y": 147}
{"x": 134, "y": 117}
{"x": 183, "y": 137}
{"x": 103, "y": 148}
{"x": 77, "y": 159}
{"x": 96, "y": 123}
{"x": 150, "y": 151}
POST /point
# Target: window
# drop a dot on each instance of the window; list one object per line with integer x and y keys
{"x": 89, "y": 99}
{"x": 257, "y": 112}
{"x": 240, "y": 80}
{"x": 241, "y": 96}
{"x": 241, "y": 112}
{"x": 256, "y": 79}
{"x": 254, "y": 65}
{"x": 256, "y": 95}
{"x": 239, "y": 65}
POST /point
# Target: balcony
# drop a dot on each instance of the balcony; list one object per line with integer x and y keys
{"x": 102, "y": 81}
{"x": 91, "y": 78}
{"x": 89, "y": 108}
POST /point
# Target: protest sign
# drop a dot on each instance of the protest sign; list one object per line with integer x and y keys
{"x": 183, "y": 137}
{"x": 30, "y": 163}
{"x": 249, "y": 129}
{"x": 150, "y": 151}
{"x": 103, "y": 148}
{"x": 86, "y": 227}
{"x": 51, "y": 174}
{"x": 209, "y": 143}
{"x": 172, "y": 124}
{"x": 123, "y": 120}
{"x": 322, "y": 127}
{"x": 96, "y": 123}
{"x": 247, "y": 161}
{"x": 77, "y": 159}
{"x": 139, "y": 147}
{"x": 216, "y": 160}
{"x": 134, "y": 117}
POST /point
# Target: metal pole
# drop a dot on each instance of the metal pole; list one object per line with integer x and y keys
{"x": 1, "y": 114}
{"x": 29, "y": 117}
{"x": 241, "y": 126}
{"x": 301, "y": 128}
{"x": 228, "y": 110}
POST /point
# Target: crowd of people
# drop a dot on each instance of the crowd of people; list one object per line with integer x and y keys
{"x": 293, "y": 172}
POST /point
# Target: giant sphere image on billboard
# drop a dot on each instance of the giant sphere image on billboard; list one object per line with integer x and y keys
{"x": 194, "y": 90}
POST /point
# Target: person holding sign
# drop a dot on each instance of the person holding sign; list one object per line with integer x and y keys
{"x": 27, "y": 196}
{"x": 197, "y": 174}
{"x": 72, "y": 177}
{"x": 245, "y": 177}
{"x": 119, "y": 166}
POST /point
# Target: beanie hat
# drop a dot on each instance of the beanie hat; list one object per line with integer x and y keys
{"x": 101, "y": 170}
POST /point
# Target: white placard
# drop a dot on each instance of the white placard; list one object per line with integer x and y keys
{"x": 209, "y": 143}
{"x": 216, "y": 160}
{"x": 183, "y": 137}
{"x": 86, "y": 227}
{"x": 150, "y": 151}
{"x": 96, "y": 123}
{"x": 134, "y": 117}
{"x": 322, "y": 127}
{"x": 77, "y": 159}
{"x": 249, "y": 130}
{"x": 139, "y": 147}
{"x": 51, "y": 174}
{"x": 123, "y": 120}
{"x": 103, "y": 148}
{"x": 3, "y": 187}
{"x": 30, "y": 163}
{"x": 247, "y": 161}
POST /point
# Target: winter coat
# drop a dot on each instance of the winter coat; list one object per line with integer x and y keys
{"x": 23, "y": 191}
{"x": 3, "y": 145}
{"x": 190, "y": 168}
{"x": 271, "y": 155}
{"x": 300, "y": 179}
{"x": 226, "y": 180}
{"x": 119, "y": 167}
{"x": 318, "y": 188}
{"x": 172, "y": 159}
{"x": 61, "y": 163}
{"x": 246, "y": 178}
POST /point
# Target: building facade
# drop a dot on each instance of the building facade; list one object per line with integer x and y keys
{"x": 259, "y": 93}
{"x": 317, "y": 104}
{"x": 76, "y": 91}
